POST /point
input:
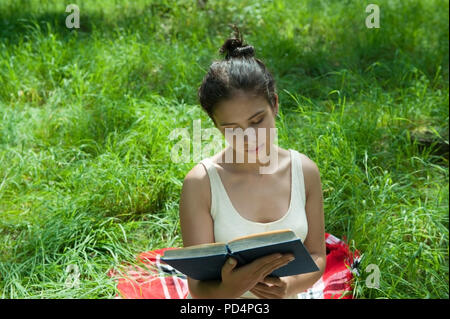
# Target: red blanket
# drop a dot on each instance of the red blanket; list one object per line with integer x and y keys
{"x": 154, "y": 279}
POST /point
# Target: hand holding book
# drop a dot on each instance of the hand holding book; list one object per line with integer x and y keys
{"x": 235, "y": 282}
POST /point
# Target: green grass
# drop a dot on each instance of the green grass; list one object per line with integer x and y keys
{"x": 86, "y": 177}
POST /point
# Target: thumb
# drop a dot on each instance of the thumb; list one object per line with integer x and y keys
{"x": 229, "y": 265}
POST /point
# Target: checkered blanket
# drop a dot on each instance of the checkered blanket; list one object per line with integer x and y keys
{"x": 151, "y": 278}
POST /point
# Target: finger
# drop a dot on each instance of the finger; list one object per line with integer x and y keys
{"x": 289, "y": 256}
{"x": 271, "y": 262}
{"x": 272, "y": 289}
{"x": 271, "y": 268}
{"x": 278, "y": 263}
{"x": 229, "y": 265}
{"x": 274, "y": 281}
{"x": 276, "y": 291}
{"x": 267, "y": 260}
{"x": 261, "y": 285}
{"x": 269, "y": 292}
{"x": 257, "y": 294}
{"x": 259, "y": 266}
{"x": 261, "y": 294}
{"x": 274, "y": 257}
{"x": 268, "y": 269}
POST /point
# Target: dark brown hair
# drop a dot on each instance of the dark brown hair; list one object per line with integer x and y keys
{"x": 239, "y": 70}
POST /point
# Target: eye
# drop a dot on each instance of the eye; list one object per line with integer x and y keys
{"x": 260, "y": 120}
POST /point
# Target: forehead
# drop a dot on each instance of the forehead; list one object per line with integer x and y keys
{"x": 240, "y": 107}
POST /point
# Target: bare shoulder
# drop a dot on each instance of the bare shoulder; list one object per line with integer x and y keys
{"x": 311, "y": 173}
{"x": 196, "y": 223}
{"x": 308, "y": 164}
{"x": 196, "y": 185}
{"x": 197, "y": 174}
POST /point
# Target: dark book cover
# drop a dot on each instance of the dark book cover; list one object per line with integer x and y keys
{"x": 209, "y": 267}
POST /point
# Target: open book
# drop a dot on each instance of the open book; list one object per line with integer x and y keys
{"x": 205, "y": 261}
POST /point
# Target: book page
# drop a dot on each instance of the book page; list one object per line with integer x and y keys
{"x": 200, "y": 250}
{"x": 261, "y": 239}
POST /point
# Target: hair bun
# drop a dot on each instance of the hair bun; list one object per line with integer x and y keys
{"x": 235, "y": 47}
{"x": 247, "y": 51}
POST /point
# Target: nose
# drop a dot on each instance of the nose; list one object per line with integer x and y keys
{"x": 250, "y": 135}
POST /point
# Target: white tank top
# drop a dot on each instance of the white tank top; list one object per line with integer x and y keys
{"x": 229, "y": 224}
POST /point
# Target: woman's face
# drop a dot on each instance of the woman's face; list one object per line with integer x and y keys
{"x": 248, "y": 116}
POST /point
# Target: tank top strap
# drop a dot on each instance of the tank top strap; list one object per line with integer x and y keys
{"x": 215, "y": 184}
{"x": 298, "y": 182}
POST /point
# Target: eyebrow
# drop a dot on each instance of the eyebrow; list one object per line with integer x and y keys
{"x": 257, "y": 113}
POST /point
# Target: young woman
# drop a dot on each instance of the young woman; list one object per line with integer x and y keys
{"x": 223, "y": 199}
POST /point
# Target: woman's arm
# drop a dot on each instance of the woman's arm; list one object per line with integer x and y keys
{"x": 197, "y": 226}
{"x": 315, "y": 240}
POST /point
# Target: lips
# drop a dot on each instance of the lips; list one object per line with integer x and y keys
{"x": 255, "y": 149}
